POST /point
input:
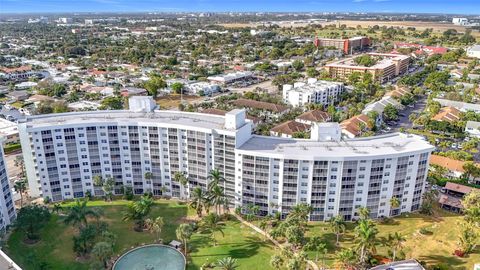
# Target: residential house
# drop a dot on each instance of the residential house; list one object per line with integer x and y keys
{"x": 289, "y": 128}
{"x": 355, "y": 125}
{"x": 448, "y": 114}
{"x": 452, "y": 195}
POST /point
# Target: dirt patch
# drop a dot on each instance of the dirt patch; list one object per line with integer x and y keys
{"x": 172, "y": 101}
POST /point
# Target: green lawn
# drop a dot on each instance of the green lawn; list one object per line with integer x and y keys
{"x": 433, "y": 249}
{"x": 56, "y": 247}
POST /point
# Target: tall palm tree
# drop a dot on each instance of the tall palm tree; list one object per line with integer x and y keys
{"x": 184, "y": 233}
{"x": 198, "y": 199}
{"x": 345, "y": 259}
{"x": 217, "y": 198}
{"x": 366, "y": 238}
{"x": 301, "y": 212}
{"x": 395, "y": 241}
{"x": 181, "y": 178}
{"x": 56, "y": 208}
{"x": 154, "y": 226}
{"x": 212, "y": 223}
{"x": 215, "y": 178}
{"x": 20, "y": 186}
{"x": 227, "y": 263}
{"x": 137, "y": 211}
{"x": 338, "y": 226}
{"x": 316, "y": 244}
{"x": 79, "y": 213}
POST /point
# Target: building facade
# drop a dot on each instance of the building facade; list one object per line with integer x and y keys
{"x": 317, "y": 92}
{"x": 7, "y": 207}
{"x": 348, "y": 46}
{"x": 387, "y": 67}
{"x": 63, "y": 152}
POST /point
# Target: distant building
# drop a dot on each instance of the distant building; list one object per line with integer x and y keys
{"x": 452, "y": 197}
{"x": 354, "y": 126}
{"x": 454, "y": 167}
{"x": 16, "y": 74}
{"x": 388, "y": 66}
{"x": 9, "y": 131}
{"x": 198, "y": 88}
{"x": 460, "y": 21}
{"x": 379, "y": 106}
{"x": 313, "y": 116}
{"x": 228, "y": 78}
{"x": 317, "y": 92}
{"x": 447, "y": 114}
{"x": 260, "y": 105}
{"x": 65, "y": 20}
{"x": 289, "y": 128}
{"x": 462, "y": 106}
{"x": 473, "y": 128}
{"x": 348, "y": 46}
{"x": 474, "y": 51}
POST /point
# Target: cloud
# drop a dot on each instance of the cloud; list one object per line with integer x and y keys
{"x": 382, "y": 0}
{"x": 358, "y": 1}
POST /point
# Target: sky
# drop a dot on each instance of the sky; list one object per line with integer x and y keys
{"x": 405, "y": 6}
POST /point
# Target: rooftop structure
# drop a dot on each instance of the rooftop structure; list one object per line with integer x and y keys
{"x": 379, "y": 106}
{"x": 312, "y": 116}
{"x": 250, "y": 103}
{"x": 72, "y": 148}
{"x": 448, "y": 114}
{"x": 317, "y": 92}
{"x": 473, "y": 128}
{"x": 355, "y": 125}
{"x": 387, "y": 67}
{"x": 230, "y": 77}
{"x": 400, "y": 265}
{"x": 462, "y": 106}
{"x": 474, "y": 51}
{"x": 289, "y": 128}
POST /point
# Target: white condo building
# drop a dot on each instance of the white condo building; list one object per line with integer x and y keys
{"x": 7, "y": 207}
{"x": 63, "y": 152}
{"x": 319, "y": 92}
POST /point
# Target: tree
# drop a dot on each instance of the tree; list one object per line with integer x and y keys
{"x": 154, "y": 84}
{"x": 107, "y": 188}
{"x": 364, "y": 212}
{"x": 181, "y": 178}
{"x": 20, "y": 186}
{"x": 390, "y": 112}
{"x": 198, "y": 200}
{"x": 79, "y": 213}
{"x": 276, "y": 261}
{"x": 470, "y": 170}
{"x": 315, "y": 244}
{"x": 301, "y": 212}
{"x": 177, "y": 87}
{"x": 395, "y": 242}
{"x": 215, "y": 177}
{"x": 365, "y": 60}
{"x": 312, "y": 72}
{"x": 298, "y": 65}
{"x": 217, "y": 198}
{"x": 137, "y": 212}
{"x": 112, "y": 103}
{"x": 295, "y": 235}
{"x": 394, "y": 202}
{"x": 346, "y": 259}
{"x": 83, "y": 243}
{"x": 338, "y": 226}
{"x": 19, "y": 162}
{"x": 471, "y": 204}
{"x": 469, "y": 237}
{"x": 184, "y": 233}
{"x": 154, "y": 226}
{"x": 227, "y": 263}
{"x": 103, "y": 251}
{"x": 31, "y": 219}
{"x": 366, "y": 239}
{"x": 212, "y": 223}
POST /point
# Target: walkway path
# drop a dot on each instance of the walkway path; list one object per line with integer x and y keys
{"x": 312, "y": 265}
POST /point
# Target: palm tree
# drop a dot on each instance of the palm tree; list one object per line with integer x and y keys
{"x": 97, "y": 180}
{"x": 154, "y": 226}
{"x": 20, "y": 186}
{"x": 215, "y": 178}
{"x": 212, "y": 224}
{"x": 345, "y": 259}
{"x": 19, "y": 162}
{"x": 301, "y": 212}
{"x": 107, "y": 188}
{"x": 227, "y": 263}
{"x": 79, "y": 213}
{"x": 315, "y": 244}
{"x": 198, "y": 199}
{"x": 338, "y": 226}
{"x": 184, "y": 233}
{"x": 394, "y": 203}
{"x": 395, "y": 241}
{"x": 366, "y": 238}
{"x": 217, "y": 198}
{"x": 364, "y": 212}
{"x": 137, "y": 211}
{"x": 103, "y": 251}
{"x": 181, "y": 178}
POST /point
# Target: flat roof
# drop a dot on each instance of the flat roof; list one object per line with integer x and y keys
{"x": 383, "y": 63}
{"x": 376, "y": 146}
{"x": 200, "y": 120}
